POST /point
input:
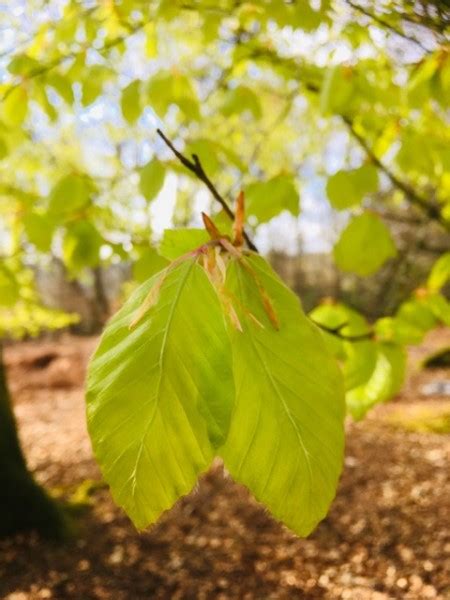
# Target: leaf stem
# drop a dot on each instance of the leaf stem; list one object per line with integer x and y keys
{"x": 196, "y": 167}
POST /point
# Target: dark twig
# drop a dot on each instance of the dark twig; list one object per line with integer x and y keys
{"x": 337, "y": 331}
{"x": 413, "y": 196}
{"x": 196, "y": 167}
{"x": 386, "y": 25}
{"x": 431, "y": 210}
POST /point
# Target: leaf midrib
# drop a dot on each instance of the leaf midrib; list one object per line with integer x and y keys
{"x": 160, "y": 366}
{"x": 280, "y": 396}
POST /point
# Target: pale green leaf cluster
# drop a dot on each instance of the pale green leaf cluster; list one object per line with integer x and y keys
{"x": 373, "y": 356}
{"x": 239, "y": 100}
{"x": 30, "y": 318}
{"x": 373, "y": 368}
{"x": 213, "y": 356}
{"x": 21, "y": 312}
{"x": 232, "y": 88}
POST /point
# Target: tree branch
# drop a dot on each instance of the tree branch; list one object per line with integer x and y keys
{"x": 431, "y": 210}
{"x": 336, "y": 331}
{"x": 415, "y": 198}
{"x": 196, "y": 167}
{"x": 383, "y": 23}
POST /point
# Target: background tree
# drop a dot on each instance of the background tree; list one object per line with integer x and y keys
{"x": 24, "y": 504}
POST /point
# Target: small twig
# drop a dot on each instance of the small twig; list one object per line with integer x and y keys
{"x": 412, "y": 195}
{"x": 386, "y": 25}
{"x": 272, "y": 127}
{"x": 196, "y": 167}
{"x": 336, "y": 331}
{"x": 431, "y": 210}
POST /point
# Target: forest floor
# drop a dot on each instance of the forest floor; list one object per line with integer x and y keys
{"x": 386, "y": 536}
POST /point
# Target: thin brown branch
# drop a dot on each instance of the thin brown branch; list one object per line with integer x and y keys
{"x": 431, "y": 210}
{"x": 414, "y": 197}
{"x": 386, "y": 25}
{"x": 337, "y": 332}
{"x": 196, "y": 167}
{"x": 272, "y": 127}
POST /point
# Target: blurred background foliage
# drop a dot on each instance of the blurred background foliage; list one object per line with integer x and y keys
{"x": 332, "y": 115}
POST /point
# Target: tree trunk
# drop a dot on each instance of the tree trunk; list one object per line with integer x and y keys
{"x": 101, "y": 303}
{"x": 24, "y": 505}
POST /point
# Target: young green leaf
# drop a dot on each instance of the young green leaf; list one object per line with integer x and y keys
{"x": 39, "y": 229}
{"x": 360, "y": 362}
{"x": 160, "y": 394}
{"x": 40, "y": 96}
{"x": 440, "y": 307}
{"x": 3, "y": 149}
{"x": 337, "y": 90}
{"x": 148, "y": 263}
{"x": 268, "y": 199}
{"x": 93, "y": 82}
{"x": 286, "y": 437}
{"x": 62, "y": 85}
{"x": 9, "y": 288}
{"x": 364, "y": 246}
{"x": 385, "y": 381}
{"x": 152, "y": 179}
{"x": 440, "y": 273}
{"x": 348, "y": 188}
{"x": 340, "y": 317}
{"x": 167, "y": 88}
{"x": 90, "y": 90}
{"x": 81, "y": 245}
{"x": 14, "y": 107}
{"x": 239, "y": 100}
{"x": 69, "y": 194}
{"x": 398, "y": 331}
{"x": 22, "y": 64}
{"x": 208, "y": 153}
{"x": 417, "y": 312}
{"x": 176, "y": 242}
{"x": 131, "y": 101}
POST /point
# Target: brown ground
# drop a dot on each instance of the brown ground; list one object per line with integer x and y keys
{"x": 387, "y": 535}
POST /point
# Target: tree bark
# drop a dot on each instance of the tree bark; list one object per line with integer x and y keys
{"x": 101, "y": 303}
{"x": 24, "y": 505}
